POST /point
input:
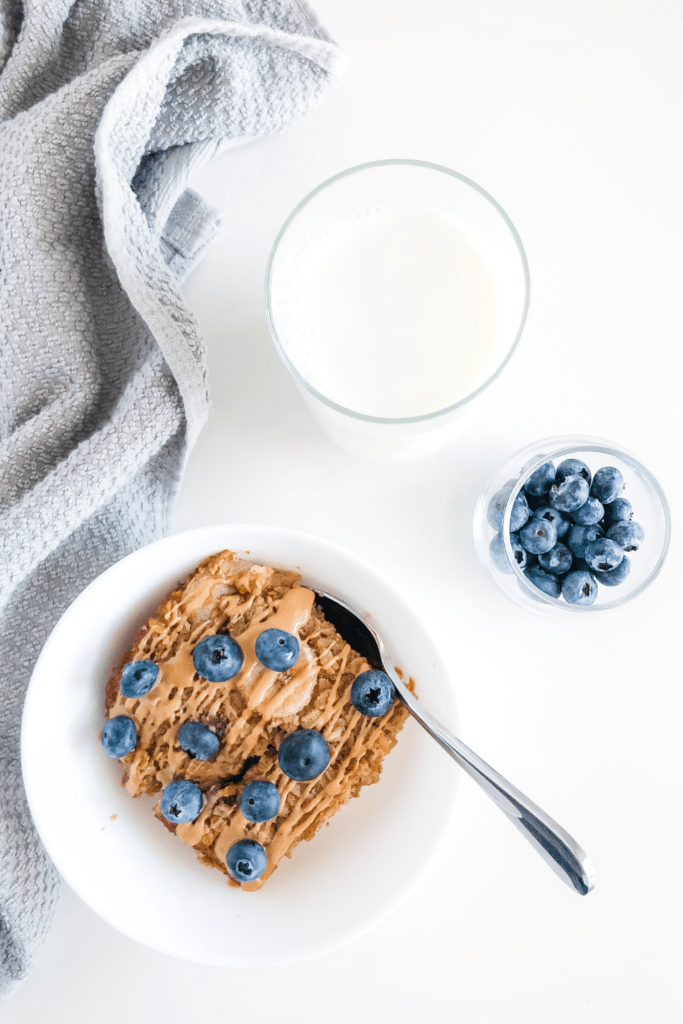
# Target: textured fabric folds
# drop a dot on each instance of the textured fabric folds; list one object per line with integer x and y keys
{"x": 107, "y": 107}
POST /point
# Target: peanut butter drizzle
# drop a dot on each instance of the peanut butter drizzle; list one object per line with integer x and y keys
{"x": 251, "y": 706}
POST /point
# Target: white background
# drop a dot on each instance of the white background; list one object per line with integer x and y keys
{"x": 569, "y": 114}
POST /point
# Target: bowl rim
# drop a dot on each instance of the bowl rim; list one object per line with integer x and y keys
{"x": 341, "y": 175}
{"x": 562, "y": 447}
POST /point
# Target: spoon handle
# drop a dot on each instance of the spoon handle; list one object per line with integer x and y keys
{"x": 558, "y": 849}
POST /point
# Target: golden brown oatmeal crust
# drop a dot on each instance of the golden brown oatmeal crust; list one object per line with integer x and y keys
{"x": 251, "y": 713}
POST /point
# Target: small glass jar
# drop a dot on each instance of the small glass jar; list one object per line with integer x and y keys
{"x": 494, "y": 546}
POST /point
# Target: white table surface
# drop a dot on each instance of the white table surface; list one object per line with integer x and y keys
{"x": 569, "y": 114}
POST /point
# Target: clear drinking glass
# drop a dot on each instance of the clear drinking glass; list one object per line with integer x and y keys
{"x": 396, "y": 292}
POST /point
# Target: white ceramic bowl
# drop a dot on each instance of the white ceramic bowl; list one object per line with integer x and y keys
{"x": 137, "y": 876}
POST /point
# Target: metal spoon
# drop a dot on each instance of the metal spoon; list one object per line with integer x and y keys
{"x": 558, "y": 849}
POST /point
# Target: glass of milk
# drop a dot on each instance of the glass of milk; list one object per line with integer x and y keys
{"x": 396, "y": 292}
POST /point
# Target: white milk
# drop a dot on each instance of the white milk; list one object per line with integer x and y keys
{"x": 390, "y": 311}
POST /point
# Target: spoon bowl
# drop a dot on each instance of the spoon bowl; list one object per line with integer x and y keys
{"x": 559, "y": 850}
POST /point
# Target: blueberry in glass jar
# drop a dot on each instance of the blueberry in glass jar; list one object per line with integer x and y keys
{"x": 607, "y": 484}
{"x": 499, "y": 554}
{"x": 519, "y": 552}
{"x": 520, "y": 513}
{"x": 590, "y": 513}
{"x": 537, "y": 536}
{"x": 496, "y": 508}
{"x": 580, "y": 588}
{"x": 573, "y": 467}
{"x": 603, "y": 554}
{"x": 552, "y": 515}
{"x": 615, "y": 576}
{"x": 548, "y": 582}
{"x": 540, "y": 480}
{"x": 569, "y": 495}
{"x": 619, "y": 510}
{"x": 558, "y": 560}
{"x": 579, "y": 536}
{"x": 628, "y": 535}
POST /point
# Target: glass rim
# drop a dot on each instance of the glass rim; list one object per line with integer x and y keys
{"x": 423, "y": 417}
{"x": 560, "y": 447}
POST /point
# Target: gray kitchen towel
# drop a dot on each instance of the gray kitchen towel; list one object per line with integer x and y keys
{"x": 106, "y": 109}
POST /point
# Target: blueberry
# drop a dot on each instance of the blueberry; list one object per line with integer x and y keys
{"x": 537, "y": 536}
{"x": 181, "y": 801}
{"x": 520, "y": 513}
{"x": 303, "y": 755}
{"x": 496, "y": 509}
{"x": 119, "y": 736}
{"x": 557, "y": 560}
{"x": 276, "y": 649}
{"x": 536, "y": 501}
{"x": 548, "y": 582}
{"x": 138, "y": 678}
{"x": 564, "y": 528}
{"x": 540, "y": 480}
{"x": 372, "y": 693}
{"x": 629, "y": 536}
{"x": 551, "y": 515}
{"x": 529, "y": 462}
{"x": 519, "y": 552}
{"x": 532, "y": 594}
{"x": 603, "y": 554}
{"x": 579, "y": 536}
{"x": 217, "y": 658}
{"x": 619, "y": 510}
{"x": 573, "y": 467}
{"x": 607, "y": 484}
{"x": 590, "y": 513}
{"x": 499, "y": 554}
{"x": 198, "y": 741}
{"x": 259, "y": 801}
{"x": 579, "y": 587}
{"x": 246, "y": 860}
{"x": 615, "y": 576}
{"x": 569, "y": 495}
